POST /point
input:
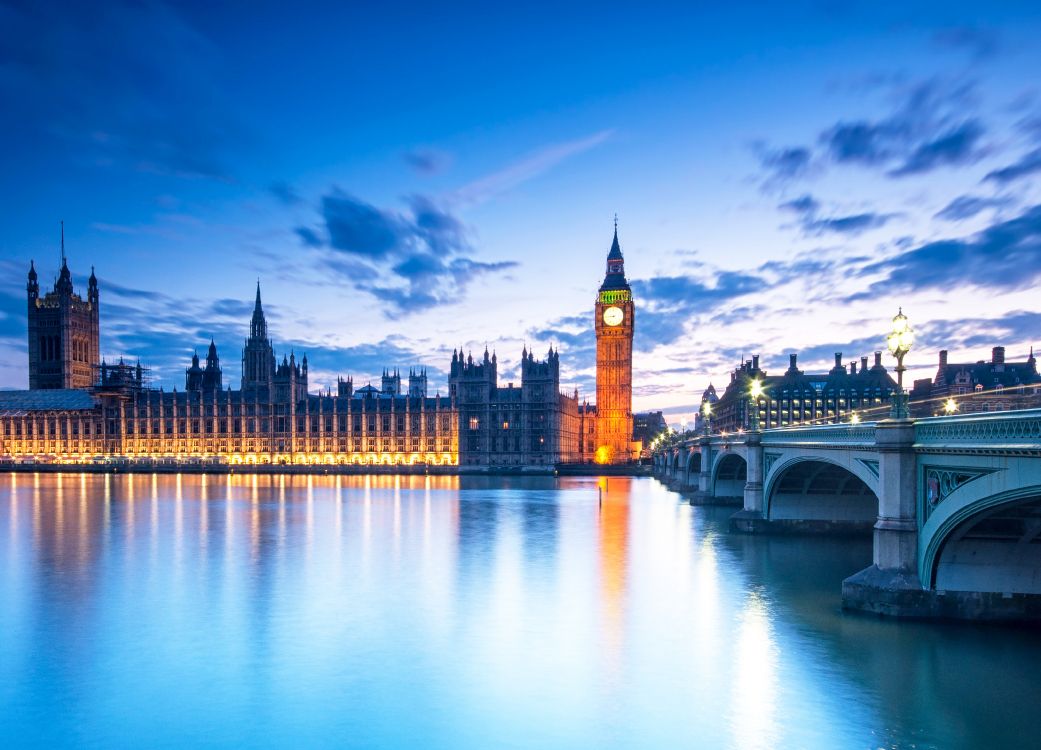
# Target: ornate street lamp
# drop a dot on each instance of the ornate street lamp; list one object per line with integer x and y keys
{"x": 755, "y": 392}
{"x": 950, "y": 406}
{"x": 854, "y": 418}
{"x": 706, "y": 415}
{"x": 900, "y": 340}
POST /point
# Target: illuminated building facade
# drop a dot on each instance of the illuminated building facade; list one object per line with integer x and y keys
{"x": 614, "y": 324}
{"x": 111, "y": 412}
{"x": 797, "y": 397}
{"x": 271, "y": 419}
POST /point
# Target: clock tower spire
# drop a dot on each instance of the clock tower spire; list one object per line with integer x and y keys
{"x": 615, "y": 325}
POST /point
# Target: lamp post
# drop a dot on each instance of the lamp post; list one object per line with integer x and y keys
{"x": 900, "y": 340}
{"x": 950, "y": 406}
{"x": 706, "y": 417}
{"x": 755, "y": 391}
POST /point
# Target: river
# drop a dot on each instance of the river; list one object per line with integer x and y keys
{"x": 447, "y": 612}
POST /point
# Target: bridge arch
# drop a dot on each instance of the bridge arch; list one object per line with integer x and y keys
{"x": 813, "y": 488}
{"x": 992, "y": 544}
{"x": 693, "y": 465}
{"x": 729, "y": 475}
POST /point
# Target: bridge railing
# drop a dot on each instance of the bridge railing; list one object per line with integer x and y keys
{"x": 1019, "y": 428}
{"x": 832, "y": 434}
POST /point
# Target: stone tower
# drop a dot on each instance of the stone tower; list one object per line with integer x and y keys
{"x": 64, "y": 341}
{"x": 615, "y": 325}
{"x": 258, "y": 357}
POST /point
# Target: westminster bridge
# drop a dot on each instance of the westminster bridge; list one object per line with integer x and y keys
{"x": 954, "y": 503}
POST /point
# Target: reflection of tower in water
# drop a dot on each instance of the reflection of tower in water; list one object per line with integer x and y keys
{"x": 614, "y": 549}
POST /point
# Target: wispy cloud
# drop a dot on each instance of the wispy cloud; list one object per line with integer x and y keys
{"x": 1026, "y": 165}
{"x": 931, "y": 126}
{"x": 527, "y": 168}
{"x": 807, "y": 209}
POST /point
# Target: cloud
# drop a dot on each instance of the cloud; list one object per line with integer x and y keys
{"x": 958, "y": 146}
{"x": 807, "y": 208}
{"x": 782, "y": 165}
{"x": 666, "y": 302}
{"x": 1004, "y": 256}
{"x": 527, "y": 168}
{"x": 930, "y": 126}
{"x": 1028, "y": 164}
{"x": 359, "y": 228}
{"x": 966, "y": 206}
{"x": 309, "y": 237}
{"x": 804, "y": 205}
{"x": 426, "y": 161}
{"x": 412, "y": 260}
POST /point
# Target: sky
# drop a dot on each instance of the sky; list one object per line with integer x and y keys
{"x": 405, "y": 179}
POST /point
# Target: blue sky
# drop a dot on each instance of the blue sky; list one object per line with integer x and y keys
{"x": 408, "y": 178}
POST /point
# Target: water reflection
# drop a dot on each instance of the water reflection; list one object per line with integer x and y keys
{"x": 459, "y": 612}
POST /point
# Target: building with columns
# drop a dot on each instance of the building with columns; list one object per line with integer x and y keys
{"x": 797, "y": 397}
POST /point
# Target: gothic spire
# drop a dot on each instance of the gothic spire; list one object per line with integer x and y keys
{"x": 614, "y": 279}
{"x": 258, "y": 324}
{"x": 616, "y": 250}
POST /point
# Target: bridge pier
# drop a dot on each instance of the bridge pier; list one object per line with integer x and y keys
{"x": 891, "y": 586}
{"x": 751, "y": 519}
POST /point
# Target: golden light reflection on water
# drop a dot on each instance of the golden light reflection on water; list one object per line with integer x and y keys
{"x": 632, "y": 622}
{"x": 614, "y": 548}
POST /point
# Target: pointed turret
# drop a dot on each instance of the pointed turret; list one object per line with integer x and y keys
{"x": 33, "y": 285}
{"x": 92, "y": 287}
{"x": 614, "y": 279}
{"x": 258, "y": 323}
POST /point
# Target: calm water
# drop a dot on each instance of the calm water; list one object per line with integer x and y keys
{"x": 140, "y": 611}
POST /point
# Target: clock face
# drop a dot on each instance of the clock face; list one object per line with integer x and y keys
{"x": 613, "y": 316}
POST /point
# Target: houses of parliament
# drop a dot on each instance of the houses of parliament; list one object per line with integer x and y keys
{"x": 82, "y": 409}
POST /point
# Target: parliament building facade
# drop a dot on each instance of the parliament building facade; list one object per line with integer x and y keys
{"x": 81, "y": 409}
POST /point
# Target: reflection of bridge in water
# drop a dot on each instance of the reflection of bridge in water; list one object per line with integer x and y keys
{"x": 955, "y": 504}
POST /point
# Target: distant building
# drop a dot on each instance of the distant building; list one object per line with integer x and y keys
{"x": 271, "y": 418}
{"x": 533, "y": 424}
{"x": 646, "y": 427}
{"x": 997, "y": 385}
{"x": 797, "y": 397}
{"x": 64, "y": 341}
{"x": 112, "y": 411}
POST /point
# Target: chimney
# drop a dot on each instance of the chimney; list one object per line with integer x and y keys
{"x": 853, "y": 367}
{"x": 863, "y": 364}
{"x": 838, "y": 359}
{"x": 878, "y": 359}
{"x": 998, "y": 355}
{"x": 755, "y": 361}
{"x": 943, "y": 358}
{"x": 791, "y": 361}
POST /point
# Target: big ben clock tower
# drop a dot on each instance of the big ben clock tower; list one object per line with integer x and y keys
{"x": 615, "y": 324}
